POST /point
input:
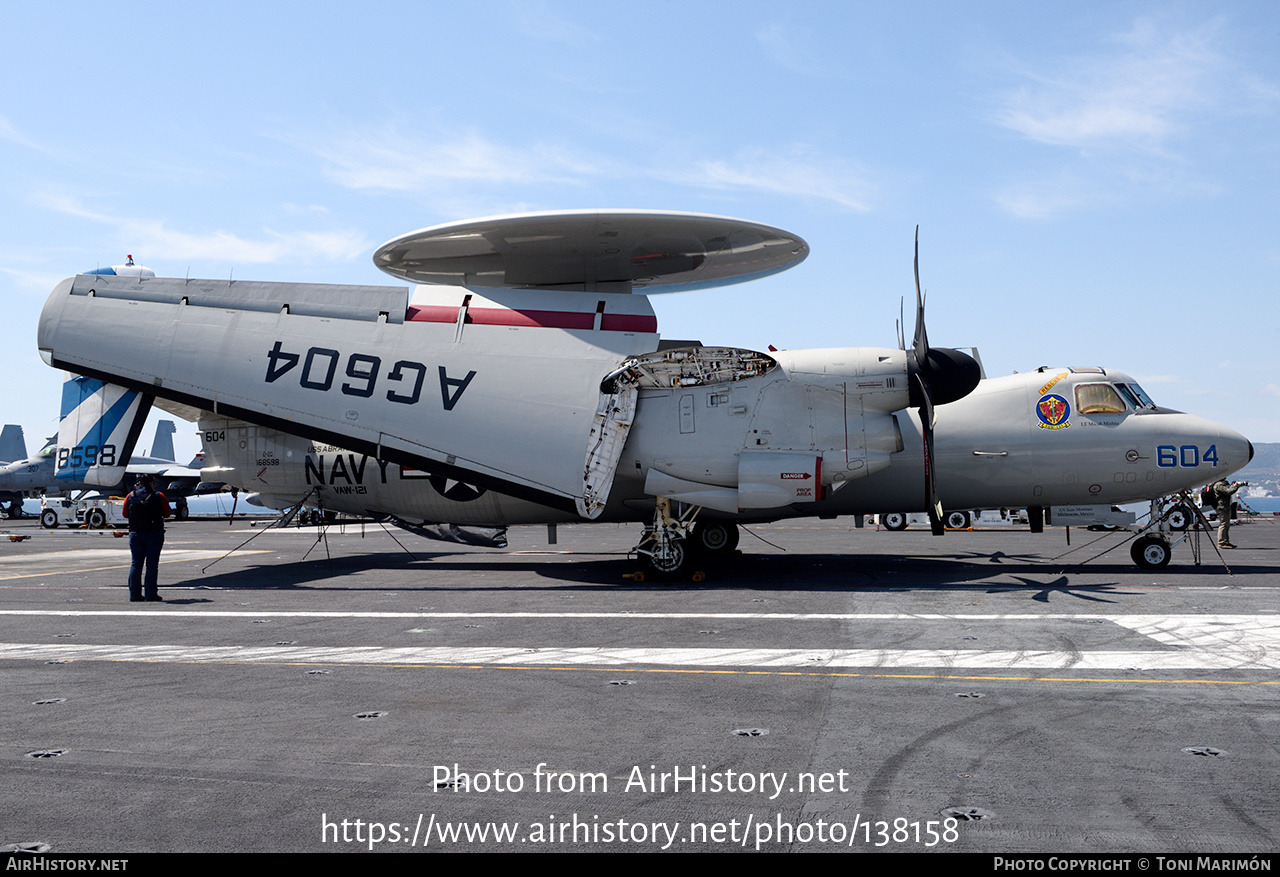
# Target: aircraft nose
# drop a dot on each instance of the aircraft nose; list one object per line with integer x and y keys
{"x": 1234, "y": 450}
{"x": 1190, "y": 448}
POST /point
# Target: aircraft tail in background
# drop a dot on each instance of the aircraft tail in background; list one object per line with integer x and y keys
{"x": 162, "y": 446}
{"x": 13, "y": 446}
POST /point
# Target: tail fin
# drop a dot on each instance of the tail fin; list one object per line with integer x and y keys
{"x": 13, "y": 446}
{"x": 162, "y": 447}
{"x": 99, "y": 429}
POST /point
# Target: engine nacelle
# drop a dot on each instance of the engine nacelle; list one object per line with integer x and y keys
{"x": 756, "y": 431}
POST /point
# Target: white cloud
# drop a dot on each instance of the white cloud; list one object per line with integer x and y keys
{"x": 798, "y": 172}
{"x": 791, "y": 47}
{"x": 1136, "y": 98}
{"x": 440, "y": 167}
{"x": 273, "y": 246}
{"x": 536, "y": 20}
{"x": 391, "y": 163}
{"x": 1272, "y": 389}
{"x": 1040, "y": 199}
{"x": 1137, "y": 117}
{"x": 35, "y": 281}
{"x": 10, "y": 133}
{"x": 159, "y": 242}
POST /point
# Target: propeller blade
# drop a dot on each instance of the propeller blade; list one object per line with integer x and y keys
{"x": 931, "y": 489}
{"x": 938, "y": 375}
{"x": 928, "y": 419}
{"x": 920, "y": 344}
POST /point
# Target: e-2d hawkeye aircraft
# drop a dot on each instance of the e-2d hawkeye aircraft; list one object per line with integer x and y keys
{"x": 523, "y": 381}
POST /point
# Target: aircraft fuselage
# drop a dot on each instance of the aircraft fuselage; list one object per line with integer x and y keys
{"x": 995, "y": 448}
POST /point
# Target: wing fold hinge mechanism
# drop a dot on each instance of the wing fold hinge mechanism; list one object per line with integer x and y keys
{"x": 609, "y": 430}
{"x": 664, "y": 370}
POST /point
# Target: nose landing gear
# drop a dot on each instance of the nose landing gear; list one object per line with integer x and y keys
{"x": 1171, "y": 518}
{"x": 1150, "y": 552}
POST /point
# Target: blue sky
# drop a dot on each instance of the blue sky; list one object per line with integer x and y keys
{"x": 1096, "y": 183}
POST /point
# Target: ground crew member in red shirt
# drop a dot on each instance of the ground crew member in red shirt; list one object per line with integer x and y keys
{"x": 146, "y": 508}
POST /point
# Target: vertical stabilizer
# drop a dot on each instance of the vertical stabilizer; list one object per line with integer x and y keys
{"x": 13, "y": 446}
{"x": 162, "y": 447}
{"x": 99, "y": 429}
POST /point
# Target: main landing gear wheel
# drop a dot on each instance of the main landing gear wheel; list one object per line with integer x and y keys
{"x": 1178, "y": 518}
{"x": 957, "y": 520}
{"x": 664, "y": 561}
{"x": 893, "y": 521}
{"x": 713, "y": 537}
{"x": 49, "y": 519}
{"x": 1150, "y": 552}
{"x": 96, "y": 519}
{"x": 180, "y": 511}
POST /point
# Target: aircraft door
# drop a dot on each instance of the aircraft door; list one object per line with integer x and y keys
{"x": 686, "y": 414}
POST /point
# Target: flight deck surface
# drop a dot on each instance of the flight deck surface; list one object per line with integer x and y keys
{"x": 839, "y": 688}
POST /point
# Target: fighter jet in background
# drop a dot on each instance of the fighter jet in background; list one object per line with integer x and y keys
{"x": 13, "y": 446}
{"x": 37, "y": 476}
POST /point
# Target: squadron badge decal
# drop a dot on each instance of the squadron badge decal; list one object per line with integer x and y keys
{"x": 1053, "y": 411}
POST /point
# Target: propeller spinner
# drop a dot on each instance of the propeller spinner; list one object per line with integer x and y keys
{"x": 938, "y": 375}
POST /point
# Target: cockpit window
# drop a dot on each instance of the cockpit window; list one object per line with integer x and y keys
{"x": 1129, "y": 395}
{"x": 1133, "y": 390}
{"x": 1099, "y": 399}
